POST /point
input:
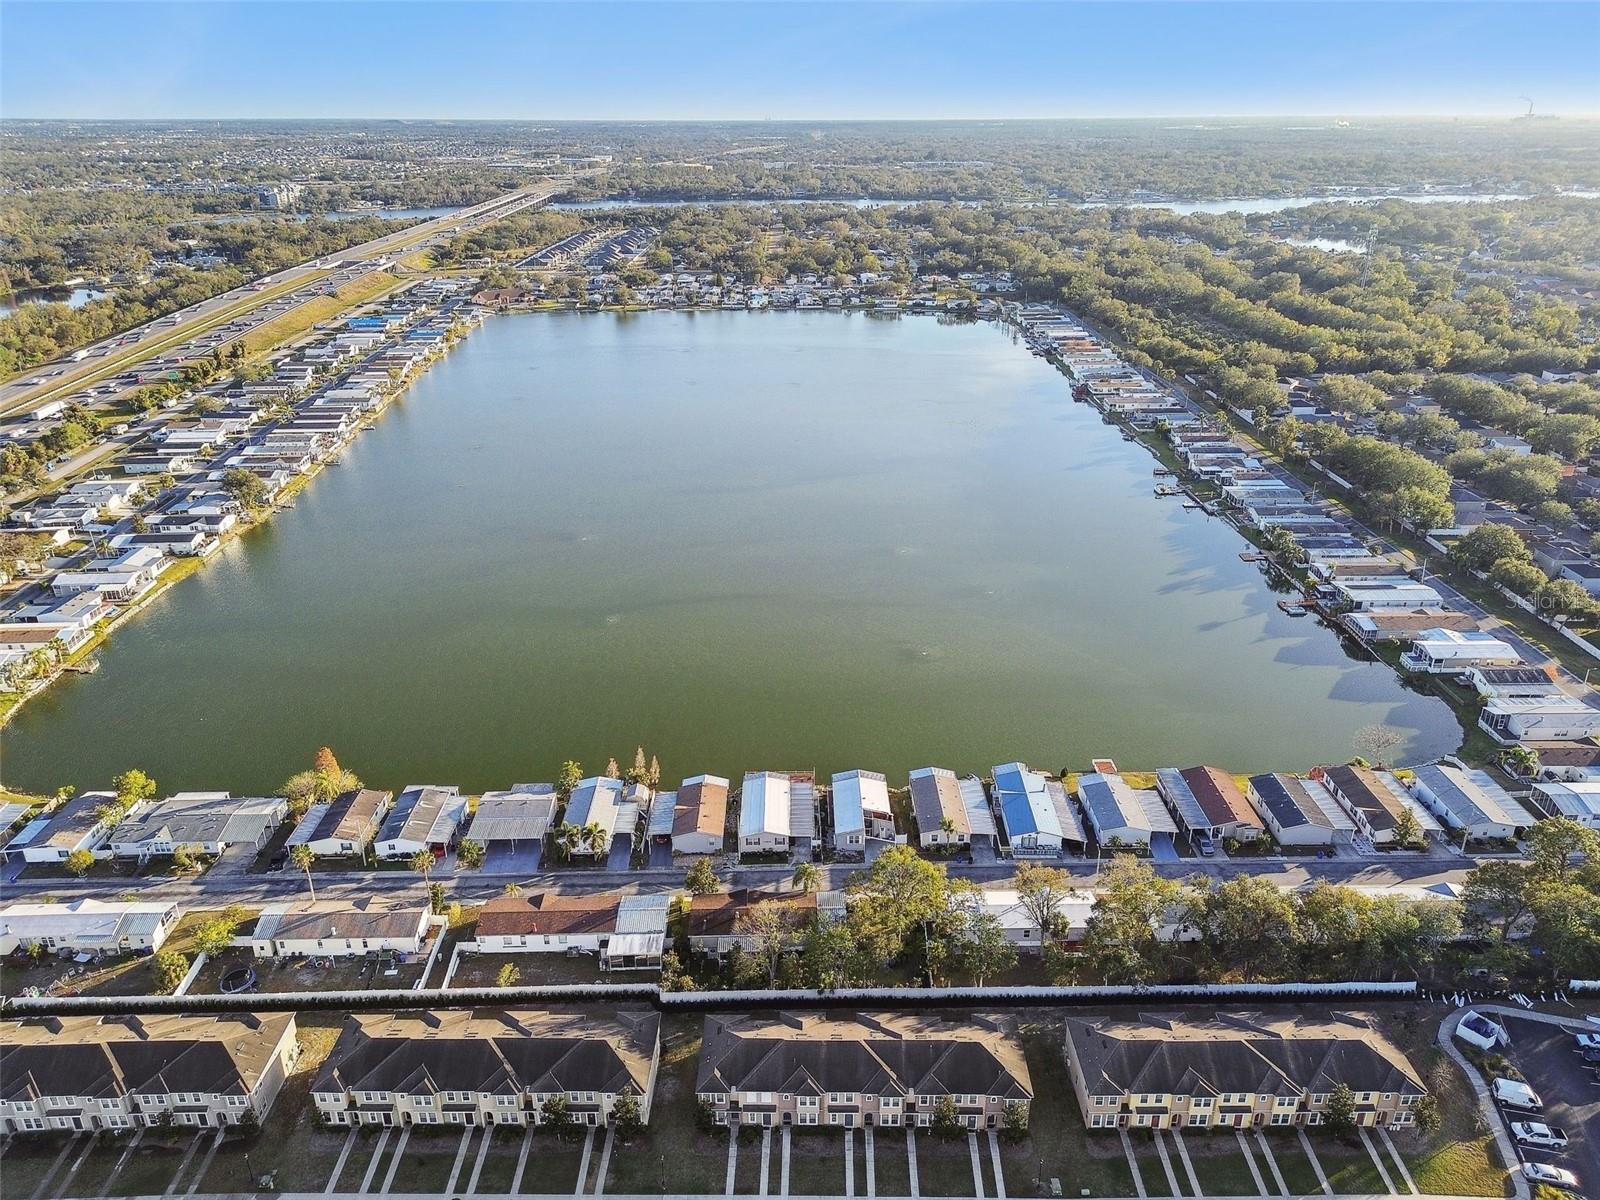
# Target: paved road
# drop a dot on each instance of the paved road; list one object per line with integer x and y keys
{"x": 221, "y": 886}
{"x": 56, "y": 379}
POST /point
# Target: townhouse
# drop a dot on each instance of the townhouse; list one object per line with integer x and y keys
{"x": 88, "y": 926}
{"x": 339, "y": 929}
{"x": 939, "y": 809}
{"x": 207, "y": 822}
{"x": 87, "y": 1074}
{"x": 1235, "y": 1071}
{"x": 487, "y": 1067}
{"x": 858, "y": 1070}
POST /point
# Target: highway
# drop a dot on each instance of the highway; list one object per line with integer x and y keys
{"x": 266, "y": 298}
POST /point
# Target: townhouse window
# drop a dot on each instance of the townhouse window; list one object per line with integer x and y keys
{"x": 1282, "y": 1118}
{"x": 236, "y": 1101}
{"x": 1200, "y": 1120}
{"x": 1408, "y": 1101}
{"x": 1314, "y": 1118}
{"x": 1365, "y": 1097}
{"x": 1319, "y": 1097}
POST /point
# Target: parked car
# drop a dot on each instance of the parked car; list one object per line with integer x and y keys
{"x": 1516, "y": 1094}
{"x": 1204, "y": 844}
{"x": 1588, "y": 1041}
{"x": 278, "y": 860}
{"x": 1545, "y": 1173}
{"x": 1537, "y": 1133}
{"x": 1478, "y": 1030}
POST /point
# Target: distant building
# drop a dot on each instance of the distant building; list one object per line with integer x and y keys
{"x": 339, "y": 929}
{"x": 700, "y": 815}
{"x": 207, "y": 822}
{"x": 344, "y": 828}
{"x": 939, "y": 809}
{"x": 88, "y": 926}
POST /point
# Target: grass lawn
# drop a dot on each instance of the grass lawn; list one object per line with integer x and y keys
{"x": 552, "y": 1167}
{"x": 28, "y": 1159}
{"x": 324, "y": 308}
{"x": 94, "y": 1174}
{"x": 150, "y": 1169}
{"x": 944, "y": 1168}
{"x": 1292, "y": 1164}
{"x": 816, "y": 1162}
{"x": 483, "y": 970}
{"x": 892, "y": 1167}
{"x": 1151, "y": 1171}
{"x": 1058, "y": 1146}
{"x": 1349, "y": 1167}
{"x": 747, "y": 1171}
{"x": 1220, "y": 1167}
{"x": 1469, "y": 1168}
{"x": 429, "y": 1156}
{"x": 501, "y": 1165}
{"x": 673, "y": 1155}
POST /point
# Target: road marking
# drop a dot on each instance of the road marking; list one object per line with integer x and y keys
{"x": 911, "y": 1160}
{"x": 1133, "y": 1165}
{"x": 483, "y": 1154}
{"x": 999, "y": 1170}
{"x": 1272, "y": 1162}
{"x": 394, "y": 1163}
{"x": 977, "y": 1165}
{"x": 733, "y": 1157}
{"x": 1316, "y": 1163}
{"x": 1188, "y": 1165}
{"x": 1250, "y": 1161}
{"x": 372, "y": 1167}
{"x": 1372, "y": 1152}
{"x": 605, "y": 1161}
{"x": 583, "y": 1163}
{"x": 344, "y": 1153}
{"x": 1400, "y": 1163}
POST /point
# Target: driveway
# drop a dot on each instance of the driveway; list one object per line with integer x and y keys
{"x": 660, "y": 856}
{"x": 1547, "y": 1056}
{"x": 621, "y": 856}
{"x": 513, "y": 858}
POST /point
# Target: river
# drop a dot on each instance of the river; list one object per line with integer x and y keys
{"x": 745, "y": 541}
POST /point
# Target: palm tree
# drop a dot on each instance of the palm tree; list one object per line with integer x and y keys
{"x": 422, "y": 861}
{"x": 597, "y": 837}
{"x": 807, "y": 877}
{"x": 513, "y": 889}
{"x": 302, "y": 857}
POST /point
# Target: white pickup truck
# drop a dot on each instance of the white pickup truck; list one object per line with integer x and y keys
{"x": 1537, "y": 1133}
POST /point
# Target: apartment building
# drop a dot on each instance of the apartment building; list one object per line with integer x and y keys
{"x": 856, "y": 1070}
{"x": 1235, "y": 1070}
{"x": 85, "y": 1074}
{"x": 486, "y": 1066}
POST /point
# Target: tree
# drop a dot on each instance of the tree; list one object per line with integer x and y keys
{"x": 508, "y": 976}
{"x": 946, "y": 1121}
{"x": 1340, "y": 1114}
{"x": 437, "y": 904}
{"x": 626, "y": 1117}
{"x": 771, "y": 928}
{"x": 512, "y": 889}
{"x": 470, "y": 854}
{"x": 673, "y": 977}
{"x": 899, "y": 894}
{"x": 1246, "y": 923}
{"x": 807, "y": 878}
{"x": 303, "y": 858}
{"x": 246, "y": 488}
{"x": 79, "y": 862}
{"x": 1042, "y": 891}
{"x": 701, "y": 878}
{"x": 1014, "y": 1124}
{"x": 1408, "y": 830}
{"x": 216, "y": 935}
{"x": 183, "y": 859}
{"x": 1486, "y": 545}
{"x": 983, "y": 949}
{"x": 830, "y": 957}
{"x": 170, "y": 967}
{"x": 324, "y": 762}
{"x": 1563, "y": 597}
{"x": 1376, "y": 743}
{"x": 422, "y": 862}
{"x": 1122, "y": 940}
{"x": 133, "y": 788}
{"x": 325, "y": 782}
{"x": 1552, "y": 845}
{"x": 1523, "y": 578}
{"x": 557, "y": 1116}
{"x": 1427, "y": 1115}
{"x": 612, "y": 770}
{"x": 570, "y": 775}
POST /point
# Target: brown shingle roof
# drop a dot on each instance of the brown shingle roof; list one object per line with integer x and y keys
{"x": 352, "y": 817}
{"x": 1219, "y": 797}
{"x": 548, "y": 913}
{"x": 702, "y": 808}
{"x": 714, "y": 915}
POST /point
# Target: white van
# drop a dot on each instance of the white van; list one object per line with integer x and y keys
{"x": 1515, "y": 1094}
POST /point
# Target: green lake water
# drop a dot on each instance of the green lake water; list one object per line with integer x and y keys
{"x": 744, "y": 541}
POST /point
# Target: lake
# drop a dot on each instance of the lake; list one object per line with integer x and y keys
{"x": 75, "y": 297}
{"x": 745, "y": 541}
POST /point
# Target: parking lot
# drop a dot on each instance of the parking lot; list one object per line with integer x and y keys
{"x": 1547, "y": 1057}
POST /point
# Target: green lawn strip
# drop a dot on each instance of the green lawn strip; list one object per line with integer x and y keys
{"x": 1292, "y": 1163}
{"x": 1150, "y": 1169}
{"x": 1349, "y": 1168}
{"x": 816, "y": 1162}
{"x": 95, "y": 1171}
{"x": 425, "y": 1164}
{"x": 1220, "y": 1166}
{"x": 1058, "y": 1145}
{"x": 747, "y": 1171}
{"x": 500, "y": 1166}
{"x": 859, "y": 1162}
{"x": 893, "y": 1169}
{"x": 552, "y": 1167}
{"x": 1464, "y": 1168}
{"x": 151, "y": 1167}
{"x": 27, "y": 1160}
{"x": 944, "y": 1168}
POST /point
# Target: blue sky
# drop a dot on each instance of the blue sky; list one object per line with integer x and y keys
{"x": 668, "y": 60}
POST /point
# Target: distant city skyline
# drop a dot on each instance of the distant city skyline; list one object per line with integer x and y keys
{"x": 793, "y": 61}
